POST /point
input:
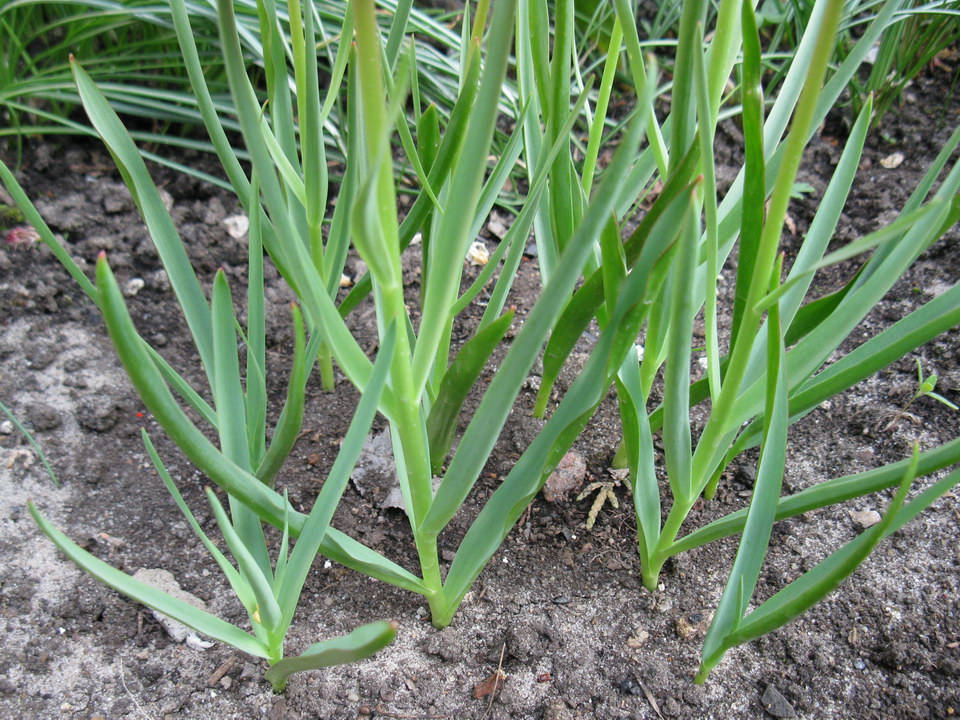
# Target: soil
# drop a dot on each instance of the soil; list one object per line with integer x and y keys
{"x": 559, "y": 611}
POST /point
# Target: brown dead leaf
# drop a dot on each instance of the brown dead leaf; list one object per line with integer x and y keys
{"x": 490, "y": 685}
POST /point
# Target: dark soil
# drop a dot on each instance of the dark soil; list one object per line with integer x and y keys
{"x": 560, "y": 610}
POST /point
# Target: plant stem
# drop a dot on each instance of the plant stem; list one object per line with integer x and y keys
{"x": 671, "y": 528}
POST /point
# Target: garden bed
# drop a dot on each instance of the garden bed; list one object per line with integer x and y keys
{"x": 560, "y": 611}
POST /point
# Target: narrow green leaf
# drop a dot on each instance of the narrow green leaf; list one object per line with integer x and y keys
{"x": 318, "y": 521}
{"x": 811, "y": 587}
{"x": 526, "y": 478}
{"x": 256, "y": 378}
{"x": 827, "y": 493}
{"x": 762, "y": 510}
{"x": 589, "y": 297}
{"x": 231, "y": 420}
{"x": 33, "y": 443}
{"x": 159, "y": 223}
{"x": 457, "y": 382}
{"x": 677, "y": 438}
{"x": 483, "y": 429}
{"x": 359, "y": 644}
{"x": 144, "y": 594}
{"x": 291, "y": 417}
{"x": 640, "y": 455}
{"x": 240, "y": 586}
{"x": 754, "y": 186}
{"x": 267, "y": 612}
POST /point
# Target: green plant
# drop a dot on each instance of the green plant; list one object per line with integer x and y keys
{"x": 33, "y": 443}
{"x": 130, "y": 49}
{"x": 657, "y": 279}
{"x": 268, "y": 591}
{"x": 918, "y": 34}
{"x": 772, "y": 373}
{"x": 925, "y": 387}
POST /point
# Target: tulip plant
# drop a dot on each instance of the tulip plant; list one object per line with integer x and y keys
{"x": 763, "y": 372}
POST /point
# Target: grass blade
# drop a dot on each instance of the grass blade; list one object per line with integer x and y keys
{"x": 33, "y": 443}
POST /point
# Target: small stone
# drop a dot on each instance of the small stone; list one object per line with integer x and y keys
{"x": 694, "y": 625}
{"x": 159, "y": 280}
{"x": 776, "y": 704}
{"x": 279, "y": 709}
{"x": 167, "y": 199}
{"x": 102, "y": 242}
{"x": 40, "y": 355}
{"x": 44, "y": 417}
{"x": 132, "y": 287}
{"x": 865, "y": 518}
{"x": 352, "y": 697}
{"x": 557, "y": 710}
{"x": 566, "y": 478}
{"x": 237, "y": 226}
{"x": 6, "y": 428}
{"x": 74, "y": 364}
{"x": 893, "y": 160}
{"x": 561, "y": 600}
{"x": 478, "y": 254}
{"x": 496, "y": 226}
{"x": 97, "y": 415}
{"x": 375, "y": 467}
{"x": 164, "y": 581}
{"x": 638, "y": 639}
{"x": 629, "y": 686}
